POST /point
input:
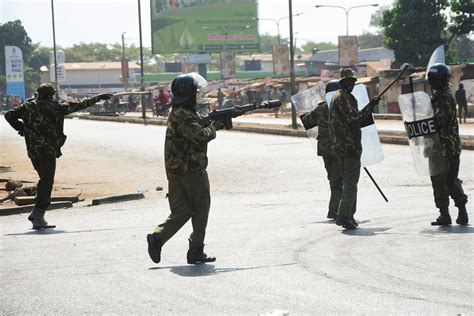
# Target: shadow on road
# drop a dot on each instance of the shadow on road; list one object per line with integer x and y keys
{"x": 456, "y": 229}
{"x": 365, "y": 231}
{"x": 51, "y": 231}
{"x": 209, "y": 269}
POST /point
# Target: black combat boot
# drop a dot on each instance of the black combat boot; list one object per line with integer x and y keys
{"x": 36, "y": 217}
{"x": 354, "y": 221}
{"x": 462, "y": 219}
{"x": 332, "y": 214}
{"x": 443, "y": 219}
{"x": 345, "y": 222}
{"x": 197, "y": 255}
{"x": 154, "y": 247}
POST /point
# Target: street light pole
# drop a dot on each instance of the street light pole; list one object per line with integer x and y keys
{"x": 292, "y": 67}
{"x": 142, "y": 87}
{"x": 54, "y": 47}
{"x": 346, "y": 10}
{"x": 278, "y": 23}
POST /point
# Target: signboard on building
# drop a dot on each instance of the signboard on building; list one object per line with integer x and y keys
{"x": 14, "y": 72}
{"x": 347, "y": 51}
{"x": 190, "y": 26}
{"x": 60, "y": 58}
{"x": 281, "y": 59}
{"x": 198, "y": 59}
{"x": 61, "y": 72}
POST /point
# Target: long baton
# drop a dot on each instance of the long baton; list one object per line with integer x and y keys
{"x": 403, "y": 68}
{"x": 376, "y": 185}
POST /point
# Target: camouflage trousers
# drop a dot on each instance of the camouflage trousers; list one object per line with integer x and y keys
{"x": 45, "y": 166}
{"x": 447, "y": 184}
{"x": 350, "y": 170}
{"x": 189, "y": 198}
{"x": 334, "y": 171}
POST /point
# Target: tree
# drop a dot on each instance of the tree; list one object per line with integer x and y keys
{"x": 13, "y": 34}
{"x": 462, "y": 17}
{"x": 309, "y": 46}
{"x": 267, "y": 40}
{"x": 375, "y": 39}
{"x": 414, "y": 28}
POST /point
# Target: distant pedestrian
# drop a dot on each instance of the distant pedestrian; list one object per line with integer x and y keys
{"x": 274, "y": 95}
{"x": 40, "y": 121}
{"x": 283, "y": 100}
{"x": 461, "y": 100}
{"x": 220, "y": 98}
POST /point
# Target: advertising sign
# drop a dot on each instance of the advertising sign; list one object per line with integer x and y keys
{"x": 227, "y": 65}
{"x": 14, "y": 72}
{"x": 61, "y": 72}
{"x": 198, "y": 59}
{"x": 191, "y": 26}
{"x": 281, "y": 59}
{"x": 347, "y": 51}
{"x": 60, "y": 58}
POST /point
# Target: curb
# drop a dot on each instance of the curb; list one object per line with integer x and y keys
{"x": 118, "y": 198}
{"x": 386, "y": 137}
{"x": 29, "y": 208}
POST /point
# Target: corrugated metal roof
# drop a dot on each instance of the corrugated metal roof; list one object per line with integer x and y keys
{"x": 364, "y": 55}
{"x": 98, "y": 66}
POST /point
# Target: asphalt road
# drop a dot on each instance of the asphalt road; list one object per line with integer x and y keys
{"x": 275, "y": 250}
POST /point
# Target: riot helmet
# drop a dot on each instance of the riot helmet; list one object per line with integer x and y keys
{"x": 45, "y": 90}
{"x": 440, "y": 72}
{"x": 332, "y": 85}
{"x": 185, "y": 86}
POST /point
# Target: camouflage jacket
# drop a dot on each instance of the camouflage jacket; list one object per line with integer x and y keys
{"x": 319, "y": 117}
{"x": 344, "y": 124}
{"x": 444, "y": 115}
{"x": 41, "y": 121}
{"x": 186, "y": 142}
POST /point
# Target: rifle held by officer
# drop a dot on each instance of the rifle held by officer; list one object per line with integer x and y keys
{"x": 223, "y": 118}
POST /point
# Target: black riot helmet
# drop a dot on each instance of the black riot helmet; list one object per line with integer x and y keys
{"x": 184, "y": 87}
{"x": 45, "y": 90}
{"x": 332, "y": 85}
{"x": 439, "y": 71}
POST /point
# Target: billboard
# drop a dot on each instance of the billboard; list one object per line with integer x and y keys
{"x": 192, "y": 26}
{"x": 347, "y": 51}
{"x": 14, "y": 72}
{"x": 281, "y": 59}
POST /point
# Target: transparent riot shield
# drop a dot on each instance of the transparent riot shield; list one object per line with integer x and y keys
{"x": 425, "y": 145}
{"x": 305, "y": 102}
{"x": 372, "y": 152}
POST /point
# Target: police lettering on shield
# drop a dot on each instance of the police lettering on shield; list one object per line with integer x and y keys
{"x": 420, "y": 128}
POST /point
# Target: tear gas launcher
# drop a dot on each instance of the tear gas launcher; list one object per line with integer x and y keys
{"x": 224, "y": 117}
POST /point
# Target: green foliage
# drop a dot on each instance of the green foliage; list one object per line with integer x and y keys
{"x": 13, "y": 34}
{"x": 413, "y": 29}
{"x": 267, "y": 40}
{"x": 462, "y": 17}
{"x": 370, "y": 40}
{"x": 460, "y": 49}
{"x": 309, "y": 46}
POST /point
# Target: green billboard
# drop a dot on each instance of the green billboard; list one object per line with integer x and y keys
{"x": 191, "y": 26}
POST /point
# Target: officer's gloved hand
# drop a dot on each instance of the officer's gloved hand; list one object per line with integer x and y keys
{"x": 217, "y": 125}
{"x": 104, "y": 96}
{"x": 374, "y": 101}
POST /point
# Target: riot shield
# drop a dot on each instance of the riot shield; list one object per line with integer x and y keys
{"x": 305, "y": 102}
{"x": 371, "y": 148}
{"x": 425, "y": 145}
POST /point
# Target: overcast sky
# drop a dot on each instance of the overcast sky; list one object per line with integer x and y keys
{"x": 105, "y": 20}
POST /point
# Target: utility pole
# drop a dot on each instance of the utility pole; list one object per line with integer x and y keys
{"x": 292, "y": 67}
{"x": 124, "y": 65}
{"x": 142, "y": 86}
{"x": 54, "y": 47}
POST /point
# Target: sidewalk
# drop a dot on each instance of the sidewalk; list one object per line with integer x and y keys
{"x": 390, "y": 126}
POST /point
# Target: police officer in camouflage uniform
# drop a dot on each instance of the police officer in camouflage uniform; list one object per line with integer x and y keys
{"x": 40, "y": 120}
{"x": 345, "y": 140}
{"x": 320, "y": 117}
{"x": 187, "y": 135}
{"x": 444, "y": 115}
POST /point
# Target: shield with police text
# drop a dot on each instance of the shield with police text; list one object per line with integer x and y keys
{"x": 372, "y": 152}
{"x": 305, "y": 102}
{"x": 425, "y": 145}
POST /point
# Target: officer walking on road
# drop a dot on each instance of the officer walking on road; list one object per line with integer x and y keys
{"x": 345, "y": 140}
{"x": 40, "y": 120}
{"x": 320, "y": 117}
{"x": 444, "y": 114}
{"x": 186, "y": 161}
